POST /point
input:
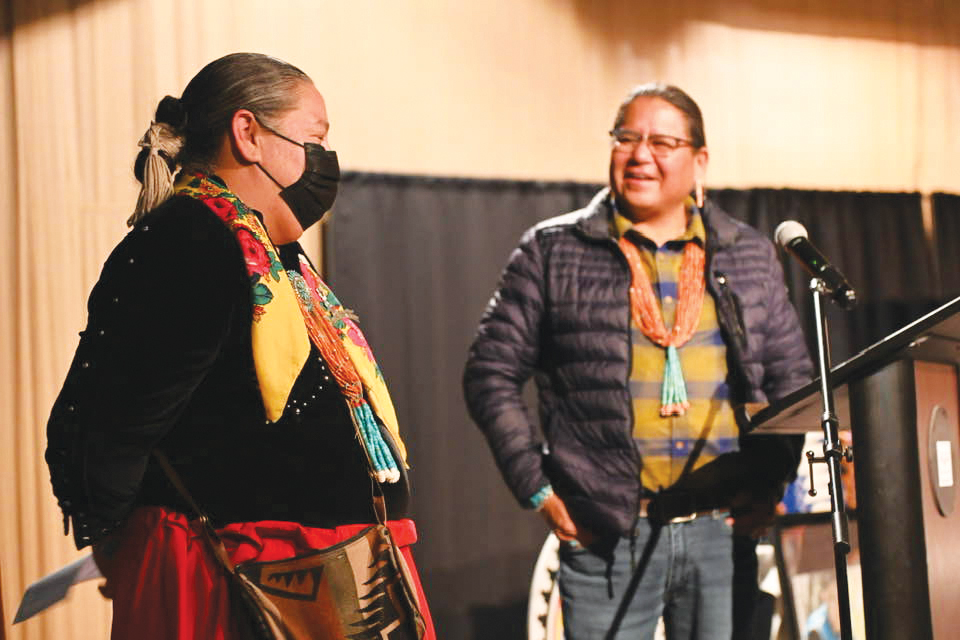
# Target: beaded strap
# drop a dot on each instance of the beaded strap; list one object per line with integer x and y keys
{"x": 327, "y": 340}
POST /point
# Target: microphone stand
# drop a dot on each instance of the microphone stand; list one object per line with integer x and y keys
{"x": 833, "y": 451}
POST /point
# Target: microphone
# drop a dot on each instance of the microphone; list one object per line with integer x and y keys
{"x": 792, "y": 236}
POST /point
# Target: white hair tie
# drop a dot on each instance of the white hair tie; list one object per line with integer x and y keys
{"x": 157, "y": 176}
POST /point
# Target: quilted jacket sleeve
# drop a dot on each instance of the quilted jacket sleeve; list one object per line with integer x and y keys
{"x": 786, "y": 363}
{"x": 786, "y": 366}
{"x": 501, "y": 359}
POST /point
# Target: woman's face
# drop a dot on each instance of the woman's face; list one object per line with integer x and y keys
{"x": 647, "y": 186}
{"x": 306, "y": 122}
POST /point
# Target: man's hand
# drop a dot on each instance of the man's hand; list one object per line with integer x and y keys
{"x": 557, "y": 517}
{"x": 752, "y": 515}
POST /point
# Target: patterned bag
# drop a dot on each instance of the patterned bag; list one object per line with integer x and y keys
{"x": 359, "y": 589}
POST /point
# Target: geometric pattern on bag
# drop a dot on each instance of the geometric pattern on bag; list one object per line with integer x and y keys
{"x": 359, "y": 589}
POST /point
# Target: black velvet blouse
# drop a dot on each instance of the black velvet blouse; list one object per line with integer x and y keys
{"x": 166, "y": 361}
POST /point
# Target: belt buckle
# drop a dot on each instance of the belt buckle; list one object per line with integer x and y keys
{"x": 687, "y": 518}
{"x": 667, "y": 504}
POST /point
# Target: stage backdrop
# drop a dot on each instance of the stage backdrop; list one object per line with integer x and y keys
{"x": 418, "y": 259}
{"x": 946, "y": 210}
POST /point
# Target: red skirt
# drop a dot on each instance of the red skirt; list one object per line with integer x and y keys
{"x": 166, "y": 584}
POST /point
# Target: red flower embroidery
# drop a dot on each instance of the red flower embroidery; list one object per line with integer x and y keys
{"x": 308, "y": 275}
{"x": 254, "y": 253}
{"x": 355, "y": 335}
{"x": 223, "y": 208}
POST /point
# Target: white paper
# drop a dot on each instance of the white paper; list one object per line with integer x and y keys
{"x": 53, "y": 588}
{"x": 944, "y": 463}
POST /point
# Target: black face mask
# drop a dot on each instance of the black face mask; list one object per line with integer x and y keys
{"x": 312, "y": 195}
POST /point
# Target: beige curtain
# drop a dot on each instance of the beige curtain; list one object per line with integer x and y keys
{"x": 857, "y": 96}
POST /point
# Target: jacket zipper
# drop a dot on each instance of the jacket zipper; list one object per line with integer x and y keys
{"x": 630, "y": 426}
{"x": 632, "y": 420}
{"x": 731, "y": 307}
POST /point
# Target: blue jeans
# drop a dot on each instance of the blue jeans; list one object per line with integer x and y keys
{"x": 684, "y": 572}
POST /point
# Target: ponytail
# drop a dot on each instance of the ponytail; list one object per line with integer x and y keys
{"x": 157, "y": 161}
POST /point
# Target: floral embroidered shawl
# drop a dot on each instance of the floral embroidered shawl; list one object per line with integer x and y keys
{"x": 281, "y": 342}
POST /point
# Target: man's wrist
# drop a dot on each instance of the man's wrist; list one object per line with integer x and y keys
{"x": 537, "y": 500}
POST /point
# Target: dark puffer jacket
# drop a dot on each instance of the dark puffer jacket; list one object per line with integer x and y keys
{"x": 562, "y": 313}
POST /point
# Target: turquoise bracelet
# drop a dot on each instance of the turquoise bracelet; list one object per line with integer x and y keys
{"x": 536, "y": 500}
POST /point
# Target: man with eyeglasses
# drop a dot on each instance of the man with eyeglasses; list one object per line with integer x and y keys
{"x": 646, "y": 318}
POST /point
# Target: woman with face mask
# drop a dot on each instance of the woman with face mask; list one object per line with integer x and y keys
{"x": 212, "y": 339}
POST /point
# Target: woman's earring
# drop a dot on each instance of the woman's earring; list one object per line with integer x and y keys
{"x": 699, "y": 194}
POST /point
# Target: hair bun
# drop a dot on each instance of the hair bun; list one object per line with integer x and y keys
{"x": 170, "y": 111}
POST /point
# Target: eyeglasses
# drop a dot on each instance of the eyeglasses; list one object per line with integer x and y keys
{"x": 659, "y": 144}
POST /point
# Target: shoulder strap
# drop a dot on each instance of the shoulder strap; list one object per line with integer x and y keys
{"x": 209, "y": 533}
{"x": 206, "y": 529}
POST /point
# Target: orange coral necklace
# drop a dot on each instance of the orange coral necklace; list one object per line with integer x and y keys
{"x": 646, "y": 313}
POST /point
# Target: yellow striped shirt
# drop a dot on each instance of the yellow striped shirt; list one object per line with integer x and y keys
{"x": 675, "y": 445}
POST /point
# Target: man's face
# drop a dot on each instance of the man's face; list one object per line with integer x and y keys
{"x": 645, "y": 185}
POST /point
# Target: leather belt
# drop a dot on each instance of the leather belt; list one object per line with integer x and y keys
{"x": 673, "y": 511}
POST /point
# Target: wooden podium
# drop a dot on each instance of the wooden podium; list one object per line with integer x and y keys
{"x": 900, "y": 398}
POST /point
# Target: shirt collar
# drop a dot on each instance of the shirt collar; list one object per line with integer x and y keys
{"x": 695, "y": 229}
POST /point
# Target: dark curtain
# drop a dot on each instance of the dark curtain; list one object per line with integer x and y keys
{"x": 418, "y": 258}
{"x": 946, "y": 223}
{"x": 875, "y": 239}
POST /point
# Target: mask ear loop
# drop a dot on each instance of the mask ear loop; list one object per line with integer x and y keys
{"x": 270, "y": 176}
{"x": 277, "y": 133}
{"x": 282, "y": 137}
